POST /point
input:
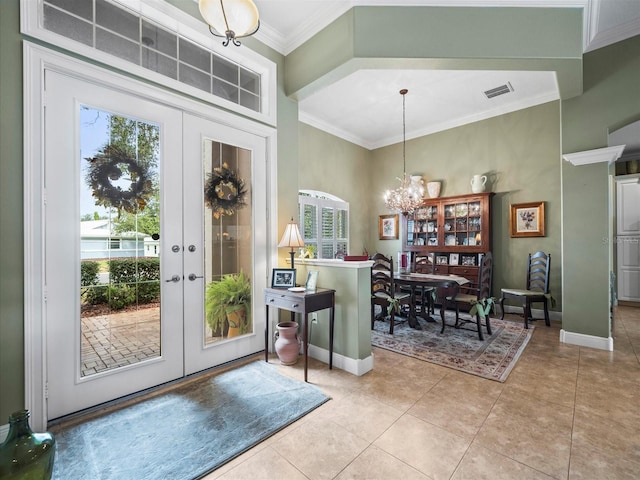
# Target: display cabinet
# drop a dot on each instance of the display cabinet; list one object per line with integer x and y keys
{"x": 453, "y": 231}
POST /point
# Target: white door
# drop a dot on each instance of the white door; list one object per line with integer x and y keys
{"x": 232, "y": 235}
{"x": 126, "y": 244}
{"x": 628, "y": 239}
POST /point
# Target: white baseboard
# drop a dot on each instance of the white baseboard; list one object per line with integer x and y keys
{"x": 351, "y": 365}
{"x": 583, "y": 340}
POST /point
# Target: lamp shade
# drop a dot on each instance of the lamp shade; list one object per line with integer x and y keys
{"x": 291, "y": 236}
{"x": 230, "y": 18}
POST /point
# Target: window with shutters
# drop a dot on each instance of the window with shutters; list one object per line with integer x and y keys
{"x": 324, "y": 224}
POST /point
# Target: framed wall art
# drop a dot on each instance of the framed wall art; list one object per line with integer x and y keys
{"x": 527, "y": 219}
{"x": 388, "y": 227}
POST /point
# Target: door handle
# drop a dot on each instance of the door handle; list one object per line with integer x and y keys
{"x": 193, "y": 276}
{"x": 174, "y": 279}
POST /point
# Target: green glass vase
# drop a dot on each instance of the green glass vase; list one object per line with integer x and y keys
{"x": 26, "y": 455}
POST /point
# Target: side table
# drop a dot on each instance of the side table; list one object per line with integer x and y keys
{"x": 304, "y": 303}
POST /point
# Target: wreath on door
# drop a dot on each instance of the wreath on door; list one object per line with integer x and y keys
{"x": 224, "y": 191}
{"x": 111, "y": 164}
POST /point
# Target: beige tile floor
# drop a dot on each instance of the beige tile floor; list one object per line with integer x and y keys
{"x": 565, "y": 412}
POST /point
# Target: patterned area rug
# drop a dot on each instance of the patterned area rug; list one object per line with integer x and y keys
{"x": 459, "y": 348}
{"x": 187, "y": 432}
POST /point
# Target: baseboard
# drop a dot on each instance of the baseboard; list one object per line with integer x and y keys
{"x": 535, "y": 312}
{"x": 583, "y": 340}
{"x": 351, "y": 365}
{"x": 4, "y": 431}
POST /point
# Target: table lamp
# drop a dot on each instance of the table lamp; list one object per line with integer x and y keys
{"x": 291, "y": 238}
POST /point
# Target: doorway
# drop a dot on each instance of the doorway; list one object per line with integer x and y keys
{"x": 129, "y": 246}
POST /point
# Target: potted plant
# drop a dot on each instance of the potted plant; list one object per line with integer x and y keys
{"x": 228, "y": 302}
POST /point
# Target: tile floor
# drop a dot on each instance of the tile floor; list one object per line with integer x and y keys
{"x": 565, "y": 412}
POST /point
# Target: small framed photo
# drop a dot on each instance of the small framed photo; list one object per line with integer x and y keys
{"x": 283, "y": 278}
{"x": 468, "y": 260}
{"x": 312, "y": 281}
{"x": 527, "y": 219}
{"x": 388, "y": 227}
{"x": 442, "y": 260}
{"x": 454, "y": 259}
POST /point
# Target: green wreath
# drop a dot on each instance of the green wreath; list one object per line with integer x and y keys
{"x": 224, "y": 191}
{"x": 108, "y": 166}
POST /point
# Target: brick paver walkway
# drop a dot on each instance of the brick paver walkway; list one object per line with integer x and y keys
{"x": 120, "y": 338}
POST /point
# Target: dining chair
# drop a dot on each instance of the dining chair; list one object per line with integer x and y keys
{"x": 536, "y": 290}
{"x": 383, "y": 290}
{"x": 467, "y": 296}
{"x": 424, "y": 264}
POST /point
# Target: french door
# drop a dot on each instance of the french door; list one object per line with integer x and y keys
{"x": 130, "y": 244}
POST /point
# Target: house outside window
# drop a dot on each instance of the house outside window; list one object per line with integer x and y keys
{"x": 324, "y": 224}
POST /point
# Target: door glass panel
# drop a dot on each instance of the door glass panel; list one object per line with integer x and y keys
{"x": 228, "y": 241}
{"x": 119, "y": 241}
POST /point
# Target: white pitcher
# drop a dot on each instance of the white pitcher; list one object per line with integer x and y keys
{"x": 477, "y": 183}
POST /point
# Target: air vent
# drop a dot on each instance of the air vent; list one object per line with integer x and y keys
{"x": 501, "y": 90}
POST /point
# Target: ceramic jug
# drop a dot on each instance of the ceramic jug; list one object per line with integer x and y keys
{"x": 477, "y": 183}
{"x": 287, "y": 343}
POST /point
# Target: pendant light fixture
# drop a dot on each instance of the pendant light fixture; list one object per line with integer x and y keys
{"x": 230, "y": 19}
{"x": 408, "y": 197}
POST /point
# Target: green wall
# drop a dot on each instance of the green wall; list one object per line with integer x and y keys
{"x": 520, "y": 154}
{"x": 611, "y": 99}
{"x": 441, "y": 38}
{"x": 330, "y": 164}
{"x": 11, "y": 237}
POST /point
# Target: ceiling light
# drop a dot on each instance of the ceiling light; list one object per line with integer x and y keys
{"x": 230, "y": 19}
{"x": 408, "y": 197}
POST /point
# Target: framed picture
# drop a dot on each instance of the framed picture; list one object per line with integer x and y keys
{"x": 312, "y": 281}
{"x": 527, "y": 219}
{"x": 454, "y": 259}
{"x": 468, "y": 260}
{"x": 388, "y": 227}
{"x": 442, "y": 260}
{"x": 283, "y": 278}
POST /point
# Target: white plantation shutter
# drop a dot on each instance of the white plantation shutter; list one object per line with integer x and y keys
{"x": 324, "y": 223}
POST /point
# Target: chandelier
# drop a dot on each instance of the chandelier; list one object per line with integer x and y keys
{"x": 408, "y": 197}
{"x": 230, "y": 19}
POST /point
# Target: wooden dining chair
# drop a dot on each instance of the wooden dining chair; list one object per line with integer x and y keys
{"x": 536, "y": 290}
{"x": 424, "y": 298}
{"x": 383, "y": 290}
{"x": 467, "y": 296}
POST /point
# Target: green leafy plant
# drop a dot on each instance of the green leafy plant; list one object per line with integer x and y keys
{"x": 230, "y": 294}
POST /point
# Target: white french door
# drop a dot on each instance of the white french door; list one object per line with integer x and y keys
{"x": 130, "y": 246}
{"x": 224, "y": 244}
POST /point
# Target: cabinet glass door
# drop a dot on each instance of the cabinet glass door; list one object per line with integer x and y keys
{"x": 462, "y": 224}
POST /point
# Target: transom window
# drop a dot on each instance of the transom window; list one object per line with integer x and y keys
{"x": 324, "y": 224}
{"x": 159, "y": 42}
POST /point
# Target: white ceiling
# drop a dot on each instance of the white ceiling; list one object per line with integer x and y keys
{"x": 366, "y": 108}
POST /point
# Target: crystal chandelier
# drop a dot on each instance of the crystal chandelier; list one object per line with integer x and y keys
{"x": 408, "y": 197}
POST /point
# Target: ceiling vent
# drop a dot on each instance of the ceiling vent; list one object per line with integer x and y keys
{"x": 501, "y": 90}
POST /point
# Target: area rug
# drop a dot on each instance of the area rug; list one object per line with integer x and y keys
{"x": 187, "y": 432}
{"x": 458, "y": 348}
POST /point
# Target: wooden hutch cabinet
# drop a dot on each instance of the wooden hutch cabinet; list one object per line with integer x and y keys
{"x": 455, "y": 231}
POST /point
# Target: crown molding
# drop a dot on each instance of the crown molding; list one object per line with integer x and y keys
{"x": 599, "y": 155}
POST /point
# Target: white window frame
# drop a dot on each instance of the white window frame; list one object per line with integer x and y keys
{"x": 321, "y": 200}
{"x": 183, "y": 24}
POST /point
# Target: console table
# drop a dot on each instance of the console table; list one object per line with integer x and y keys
{"x": 303, "y": 303}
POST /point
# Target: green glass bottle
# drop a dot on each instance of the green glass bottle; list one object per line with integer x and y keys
{"x": 26, "y": 455}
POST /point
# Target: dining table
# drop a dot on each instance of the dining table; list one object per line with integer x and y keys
{"x": 449, "y": 284}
